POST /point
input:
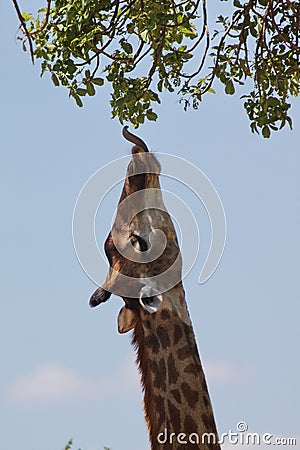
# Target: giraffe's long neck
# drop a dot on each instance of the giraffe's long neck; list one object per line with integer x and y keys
{"x": 176, "y": 398}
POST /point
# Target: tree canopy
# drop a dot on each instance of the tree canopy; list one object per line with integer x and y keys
{"x": 143, "y": 47}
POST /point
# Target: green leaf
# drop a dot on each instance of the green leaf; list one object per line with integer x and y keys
{"x": 266, "y": 132}
{"x": 54, "y": 79}
{"x": 69, "y": 444}
{"x": 78, "y": 101}
{"x": 69, "y": 47}
{"x": 289, "y": 121}
{"x": 192, "y": 34}
{"x": 81, "y": 92}
{"x": 145, "y": 35}
{"x": 229, "y": 87}
{"x": 127, "y": 47}
{"x": 98, "y": 81}
{"x": 237, "y": 4}
{"x": 186, "y": 55}
{"x": 140, "y": 118}
{"x": 120, "y": 102}
{"x": 50, "y": 47}
{"x": 160, "y": 85}
{"x": 273, "y": 101}
{"x": 151, "y": 115}
{"x": 90, "y": 89}
{"x": 27, "y": 16}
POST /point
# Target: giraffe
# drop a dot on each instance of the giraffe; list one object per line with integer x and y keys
{"x": 177, "y": 405}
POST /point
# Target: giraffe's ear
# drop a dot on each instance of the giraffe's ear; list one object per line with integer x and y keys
{"x": 126, "y": 319}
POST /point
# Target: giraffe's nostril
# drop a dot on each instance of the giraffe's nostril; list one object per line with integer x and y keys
{"x": 150, "y": 300}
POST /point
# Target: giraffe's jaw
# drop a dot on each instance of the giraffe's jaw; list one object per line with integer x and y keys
{"x": 149, "y": 301}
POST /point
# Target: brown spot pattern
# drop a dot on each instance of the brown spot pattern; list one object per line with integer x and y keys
{"x": 159, "y": 382}
{"x": 174, "y": 417}
{"x": 191, "y": 368}
{"x": 162, "y": 368}
{"x": 189, "y": 332}
{"x": 178, "y": 333}
{"x": 160, "y": 409}
{"x": 183, "y": 352}
{"x": 190, "y": 425}
{"x": 191, "y": 396}
{"x": 172, "y": 371}
{"x": 205, "y": 401}
{"x": 163, "y": 337}
{"x": 147, "y": 324}
{"x": 176, "y": 395}
{"x": 208, "y": 423}
{"x": 153, "y": 343}
{"x": 165, "y": 315}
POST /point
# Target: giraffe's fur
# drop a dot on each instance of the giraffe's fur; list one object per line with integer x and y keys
{"x": 175, "y": 391}
{"x": 176, "y": 394}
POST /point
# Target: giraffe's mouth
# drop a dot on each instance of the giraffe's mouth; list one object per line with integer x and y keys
{"x": 101, "y": 295}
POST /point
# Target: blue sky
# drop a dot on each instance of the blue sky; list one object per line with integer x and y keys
{"x": 65, "y": 371}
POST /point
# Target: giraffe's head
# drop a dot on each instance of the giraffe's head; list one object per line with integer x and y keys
{"x": 142, "y": 247}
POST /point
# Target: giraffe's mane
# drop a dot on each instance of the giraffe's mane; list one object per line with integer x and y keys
{"x": 138, "y": 342}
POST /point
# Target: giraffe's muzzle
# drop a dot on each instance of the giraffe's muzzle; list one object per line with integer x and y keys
{"x": 101, "y": 295}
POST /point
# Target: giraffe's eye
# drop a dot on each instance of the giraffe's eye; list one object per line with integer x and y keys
{"x": 139, "y": 243}
{"x": 149, "y": 299}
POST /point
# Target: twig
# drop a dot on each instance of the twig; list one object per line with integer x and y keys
{"x": 189, "y": 16}
{"x": 157, "y": 54}
{"x": 222, "y": 40}
{"x": 96, "y": 67}
{"x": 283, "y": 37}
{"x": 202, "y": 60}
{"x": 204, "y": 11}
{"x": 45, "y": 23}
{"x": 26, "y": 32}
{"x": 259, "y": 46}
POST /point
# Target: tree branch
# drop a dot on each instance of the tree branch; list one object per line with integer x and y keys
{"x": 25, "y": 31}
